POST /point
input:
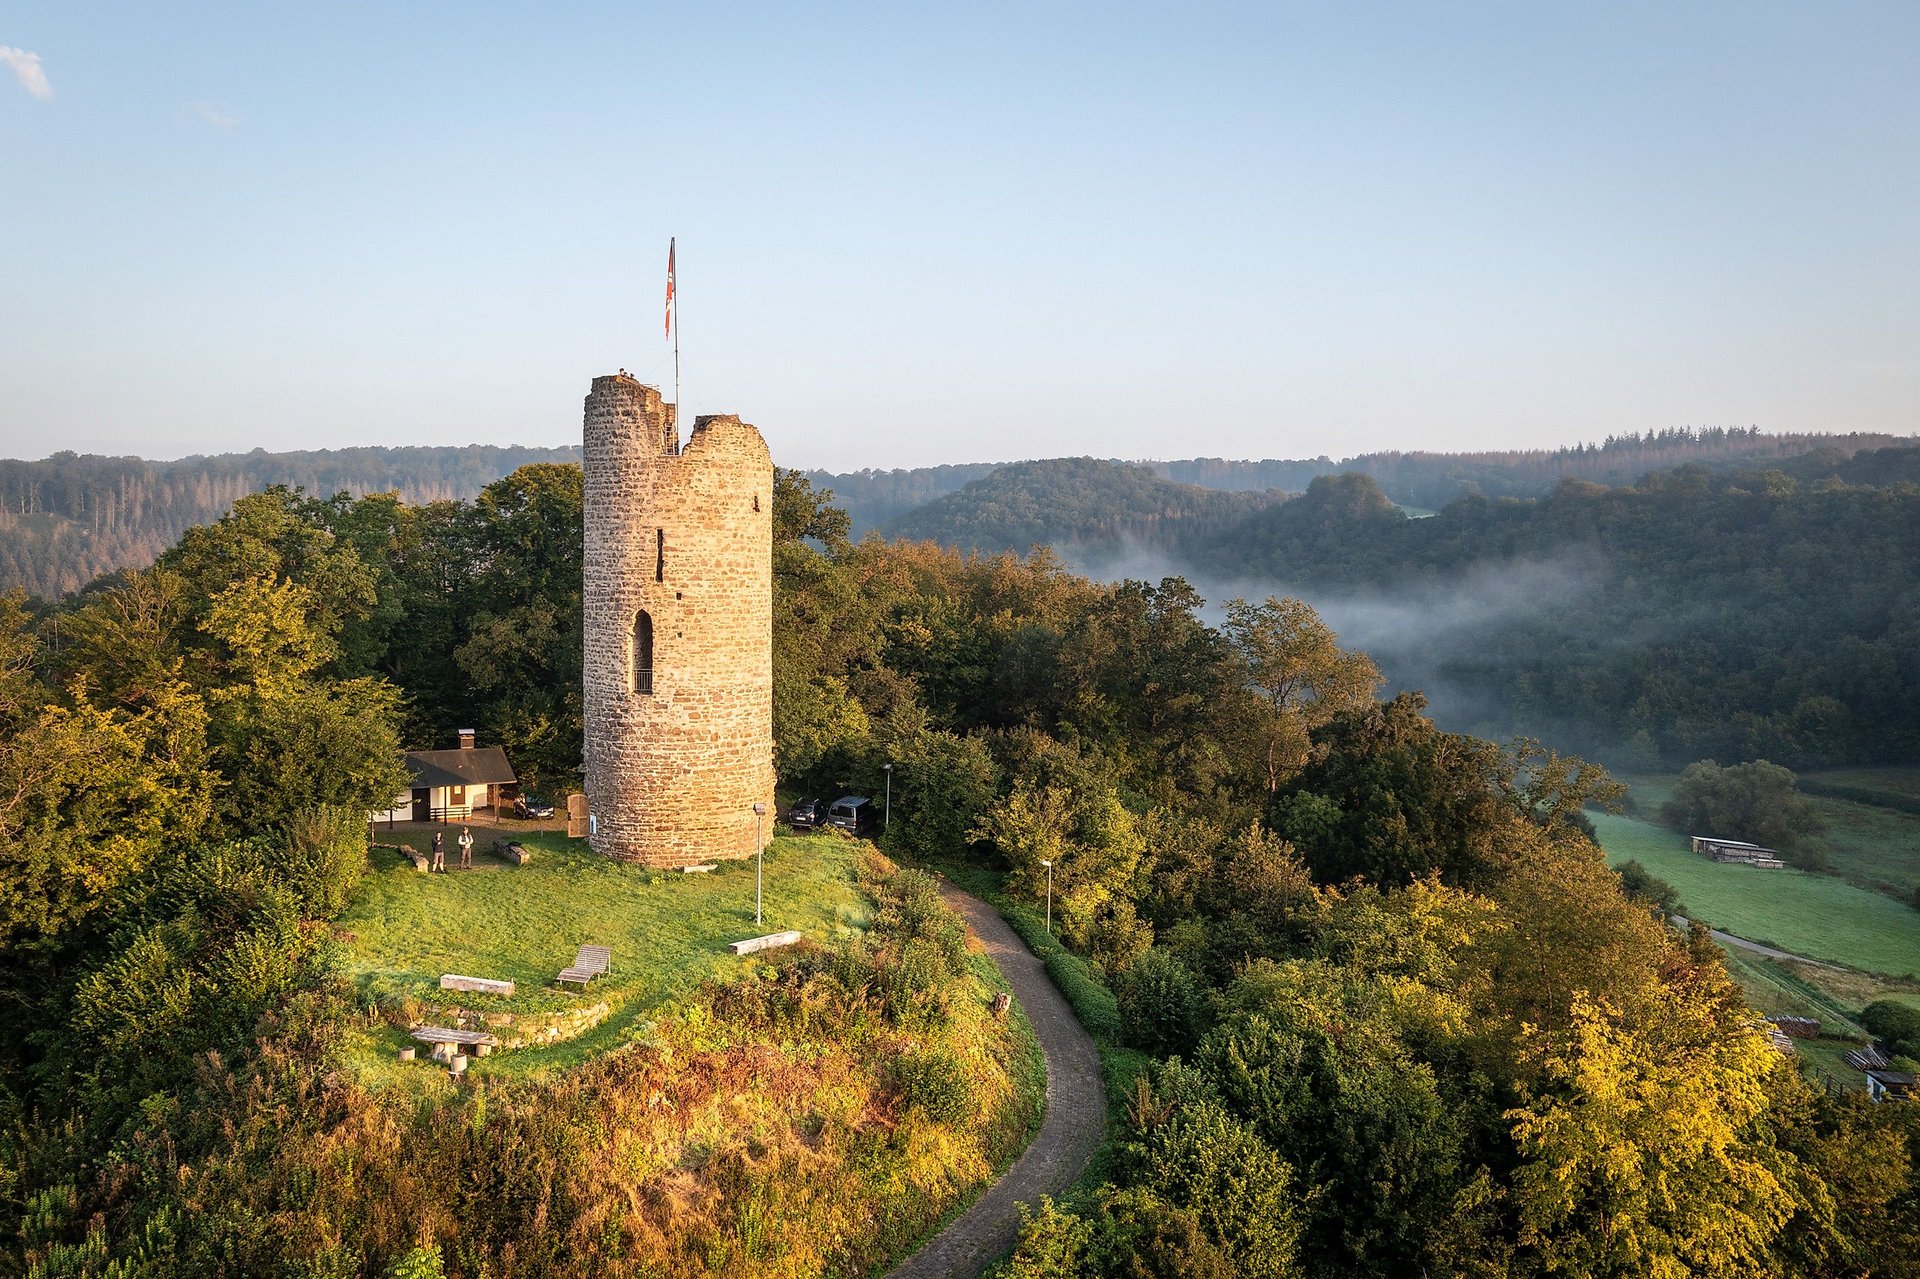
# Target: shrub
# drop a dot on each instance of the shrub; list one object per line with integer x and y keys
{"x": 1161, "y": 1007}
{"x": 1897, "y": 1024}
{"x": 326, "y": 854}
{"x": 422, "y": 1261}
{"x": 1140, "y": 1236}
{"x": 1236, "y": 1186}
{"x": 936, "y": 1082}
{"x": 1118, "y": 937}
{"x": 1642, "y": 885}
{"x": 1052, "y": 1244}
{"x": 1757, "y": 801}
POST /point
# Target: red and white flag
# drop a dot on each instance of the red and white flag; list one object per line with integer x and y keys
{"x": 669, "y": 313}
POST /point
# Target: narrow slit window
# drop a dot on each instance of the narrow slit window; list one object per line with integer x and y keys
{"x": 642, "y": 652}
{"x": 659, "y": 555}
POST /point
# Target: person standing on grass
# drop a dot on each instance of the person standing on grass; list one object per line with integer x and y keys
{"x": 439, "y": 851}
{"x": 466, "y": 849}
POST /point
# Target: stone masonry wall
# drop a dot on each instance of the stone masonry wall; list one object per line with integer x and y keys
{"x": 672, "y": 775}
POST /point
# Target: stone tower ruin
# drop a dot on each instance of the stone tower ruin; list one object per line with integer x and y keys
{"x": 678, "y": 597}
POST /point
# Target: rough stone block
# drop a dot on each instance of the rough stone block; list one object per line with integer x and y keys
{"x": 480, "y": 985}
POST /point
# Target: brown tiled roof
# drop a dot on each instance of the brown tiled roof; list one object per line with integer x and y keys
{"x": 483, "y": 765}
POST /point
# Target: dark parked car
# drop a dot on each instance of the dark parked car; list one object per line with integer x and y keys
{"x": 853, "y": 814}
{"x": 532, "y": 808}
{"x": 808, "y": 814}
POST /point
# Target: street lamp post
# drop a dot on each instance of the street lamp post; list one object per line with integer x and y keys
{"x": 1049, "y": 865}
{"x": 759, "y": 855}
{"x": 886, "y": 815}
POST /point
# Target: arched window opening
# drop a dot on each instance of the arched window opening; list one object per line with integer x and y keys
{"x": 659, "y": 555}
{"x": 642, "y": 652}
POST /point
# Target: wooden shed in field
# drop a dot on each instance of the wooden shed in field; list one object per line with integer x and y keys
{"x": 1737, "y": 851}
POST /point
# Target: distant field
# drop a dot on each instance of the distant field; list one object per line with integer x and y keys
{"x": 1874, "y": 783}
{"x": 668, "y": 932}
{"x": 1814, "y": 915}
{"x": 1872, "y": 817}
{"x": 1873, "y": 824}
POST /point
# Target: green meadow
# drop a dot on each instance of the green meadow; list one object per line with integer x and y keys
{"x": 668, "y": 932}
{"x": 1818, "y": 916}
{"x": 1873, "y": 825}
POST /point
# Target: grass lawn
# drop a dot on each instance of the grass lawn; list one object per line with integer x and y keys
{"x": 1814, "y": 915}
{"x": 668, "y": 931}
{"x": 1777, "y": 992}
{"x": 1825, "y": 1059}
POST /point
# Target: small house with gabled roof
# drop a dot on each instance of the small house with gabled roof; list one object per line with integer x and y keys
{"x": 450, "y": 785}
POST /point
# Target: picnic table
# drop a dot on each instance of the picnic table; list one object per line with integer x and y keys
{"x": 479, "y": 1040}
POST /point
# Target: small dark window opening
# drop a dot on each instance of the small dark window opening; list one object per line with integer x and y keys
{"x": 642, "y": 653}
{"x": 659, "y": 555}
{"x": 756, "y": 503}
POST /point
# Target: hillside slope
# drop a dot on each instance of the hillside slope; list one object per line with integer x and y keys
{"x": 69, "y": 518}
{"x": 1078, "y": 501}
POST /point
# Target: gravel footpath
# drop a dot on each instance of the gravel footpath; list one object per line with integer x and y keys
{"x": 1075, "y": 1122}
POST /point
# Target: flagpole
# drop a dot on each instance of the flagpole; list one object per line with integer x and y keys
{"x": 674, "y": 283}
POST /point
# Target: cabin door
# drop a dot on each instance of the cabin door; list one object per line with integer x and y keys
{"x": 421, "y": 810}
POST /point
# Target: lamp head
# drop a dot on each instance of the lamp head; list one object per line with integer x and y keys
{"x": 759, "y": 810}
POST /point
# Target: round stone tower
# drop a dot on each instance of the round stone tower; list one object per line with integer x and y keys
{"x": 678, "y": 597}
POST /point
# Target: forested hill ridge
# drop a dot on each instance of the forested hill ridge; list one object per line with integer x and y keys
{"x": 873, "y": 498}
{"x": 1737, "y": 613}
{"x": 69, "y": 518}
{"x": 1078, "y": 500}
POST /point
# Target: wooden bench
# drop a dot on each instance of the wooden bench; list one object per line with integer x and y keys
{"x": 518, "y": 854}
{"x": 479, "y": 1041}
{"x": 772, "y": 941}
{"x": 590, "y": 962}
{"x": 479, "y": 985}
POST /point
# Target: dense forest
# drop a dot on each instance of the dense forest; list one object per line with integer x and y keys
{"x": 1373, "y": 1003}
{"x": 1730, "y": 613}
{"x": 68, "y": 519}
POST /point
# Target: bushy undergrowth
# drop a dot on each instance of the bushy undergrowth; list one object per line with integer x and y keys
{"x": 814, "y": 1118}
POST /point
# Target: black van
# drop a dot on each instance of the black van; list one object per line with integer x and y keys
{"x": 853, "y": 814}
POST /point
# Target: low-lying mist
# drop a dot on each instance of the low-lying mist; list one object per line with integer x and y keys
{"x": 1425, "y": 634}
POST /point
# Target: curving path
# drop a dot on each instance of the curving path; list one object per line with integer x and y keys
{"x": 1728, "y": 939}
{"x": 1075, "y": 1122}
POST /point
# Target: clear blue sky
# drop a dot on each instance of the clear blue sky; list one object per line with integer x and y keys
{"x": 917, "y": 233}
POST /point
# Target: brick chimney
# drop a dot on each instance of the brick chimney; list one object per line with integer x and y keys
{"x": 466, "y": 739}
